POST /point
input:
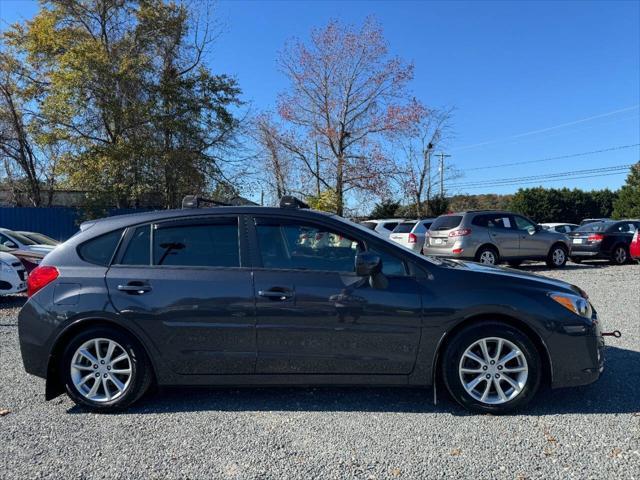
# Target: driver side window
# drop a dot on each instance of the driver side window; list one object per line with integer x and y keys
{"x": 524, "y": 224}
{"x": 305, "y": 247}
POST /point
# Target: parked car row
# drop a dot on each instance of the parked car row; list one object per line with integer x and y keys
{"x": 20, "y": 253}
{"x": 492, "y": 237}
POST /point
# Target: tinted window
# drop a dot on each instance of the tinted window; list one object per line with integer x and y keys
{"x": 369, "y": 225}
{"x": 138, "y": 252}
{"x": 446, "y": 222}
{"x": 404, "y": 227}
{"x": 622, "y": 228}
{"x": 390, "y": 226}
{"x": 594, "y": 227}
{"x": 305, "y": 247}
{"x": 100, "y": 250}
{"x": 391, "y": 265}
{"x": 205, "y": 245}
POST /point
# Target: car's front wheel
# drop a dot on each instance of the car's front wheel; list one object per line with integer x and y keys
{"x": 491, "y": 368}
{"x": 104, "y": 368}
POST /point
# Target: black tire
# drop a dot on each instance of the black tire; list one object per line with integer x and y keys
{"x": 514, "y": 263}
{"x": 576, "y": 260}
{"x": 464, "y": 339}
{"x": 557, "y": 256}
{"x": 619, "y": 255}
{"x": 141, "y": 370}
{"x": 486, "y": 252}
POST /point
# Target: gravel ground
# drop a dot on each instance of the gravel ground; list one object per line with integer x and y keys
{"x": 588, "y": 432}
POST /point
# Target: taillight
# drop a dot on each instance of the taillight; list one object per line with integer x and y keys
{"x": 412, "y": 238}
{"x": 595, "y": 237}
{"x": 457, "y": 251}
{"x": 40, "y": 277}
{"x": 460, "y": 233}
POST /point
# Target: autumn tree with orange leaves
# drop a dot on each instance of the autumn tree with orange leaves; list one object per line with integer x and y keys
{"x": 347, "y": 97}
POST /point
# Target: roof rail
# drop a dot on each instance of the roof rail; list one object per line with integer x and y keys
{"x": 194, "y": 201}
{"x": 289, "y": 201}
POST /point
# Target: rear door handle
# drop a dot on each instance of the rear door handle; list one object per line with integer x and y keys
{"x": 134, "y": 289}
{"x": 276, "y": 294}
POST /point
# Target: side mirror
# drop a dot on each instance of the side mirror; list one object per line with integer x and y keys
{"x": 368, "y": 264}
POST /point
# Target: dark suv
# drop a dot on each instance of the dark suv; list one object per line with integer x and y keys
{"x": 285, "y": 296}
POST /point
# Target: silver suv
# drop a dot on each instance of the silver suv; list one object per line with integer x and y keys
{"x": 490, "y": 237}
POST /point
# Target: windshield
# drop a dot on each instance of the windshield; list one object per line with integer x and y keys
{"x": 404, "y": 227}
{"x": 21, "y": 238}
{"x": 446, "y": 222}
{"x": 594, "y": 227}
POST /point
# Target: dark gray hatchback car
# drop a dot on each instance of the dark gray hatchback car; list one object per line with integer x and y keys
{"x": 283, "y": 296}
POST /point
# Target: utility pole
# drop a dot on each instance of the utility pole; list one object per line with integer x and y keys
{"x": 317, "y": 172}
{"x": 427, "y": 158}
{"x": 442, "y": 157}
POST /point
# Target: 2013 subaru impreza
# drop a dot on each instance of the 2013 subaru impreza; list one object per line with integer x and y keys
{"x": 287, "y": 296}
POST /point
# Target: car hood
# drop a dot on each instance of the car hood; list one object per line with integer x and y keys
{"x": 515, "y": 275}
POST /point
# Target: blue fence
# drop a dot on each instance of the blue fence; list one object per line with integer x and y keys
{"x": 57, "y": 222}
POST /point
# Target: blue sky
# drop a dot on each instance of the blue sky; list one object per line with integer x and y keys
{"x": 508, "y": 68}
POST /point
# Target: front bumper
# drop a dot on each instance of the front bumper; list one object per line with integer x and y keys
{"x": 13, "y": 281}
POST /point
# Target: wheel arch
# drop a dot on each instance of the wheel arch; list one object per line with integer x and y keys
{"x": 559, "y": 243}
{"x": 545, "y": 357}
{"x": 54, "y": 385}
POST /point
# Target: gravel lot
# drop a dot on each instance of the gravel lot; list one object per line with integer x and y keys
{"x": 589, "y": 432}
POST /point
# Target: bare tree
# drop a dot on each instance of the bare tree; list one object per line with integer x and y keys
{"x": 416, "y": 174}
{"x": 346, "y": 93}
{"x": 276, "y": 161}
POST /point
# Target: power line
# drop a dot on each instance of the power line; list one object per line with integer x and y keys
{"x": 549, "y": 180}
{"x": 547, "y": 159}
{"x": 498, "y": 181}
{"x": 542, "y": 130}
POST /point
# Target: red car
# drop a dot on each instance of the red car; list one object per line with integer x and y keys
{"x": 634, "y": 248}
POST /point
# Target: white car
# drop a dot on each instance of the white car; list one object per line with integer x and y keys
{"x": 11, "y": 239}
{"x": 560, "y": 227}
{"x": 383, "y": 226}
{"x": 13, "y": 276}
{"x": 411, "y": 233}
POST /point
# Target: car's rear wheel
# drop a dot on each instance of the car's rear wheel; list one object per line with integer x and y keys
{"x": 557, "y": 256}
{"x": 487, "y": 256}
{"x": 491, "y": 368}
{"x": 104, "y": 368}
{"x": 619, "y": 256}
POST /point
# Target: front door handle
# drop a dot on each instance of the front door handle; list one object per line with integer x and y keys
{"x": 276, "y": 294}
{"x": 135, "y": 288}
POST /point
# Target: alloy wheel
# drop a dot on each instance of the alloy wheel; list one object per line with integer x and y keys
{"x": 493, "y": 370}
{"x": 620, "y": 255}
{"x": 558, "y": 256}
{"x": 488, "y": 257}
{"x": 101, "y": 370}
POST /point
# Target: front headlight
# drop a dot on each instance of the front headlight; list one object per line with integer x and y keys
{"x": 577, "y": 304}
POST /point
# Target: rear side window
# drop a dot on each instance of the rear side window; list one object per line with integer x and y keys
{"x": 622, "y": 228}
{"x": 100, "y": 250}
{"x": 390, "y": 226}
{"x": 446, "y": 222}
{"x": 204, "y": 245}
{"x": 404, "y": 227}
{"x": 138, "y": 250}
{"x": 369, "y": 225}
